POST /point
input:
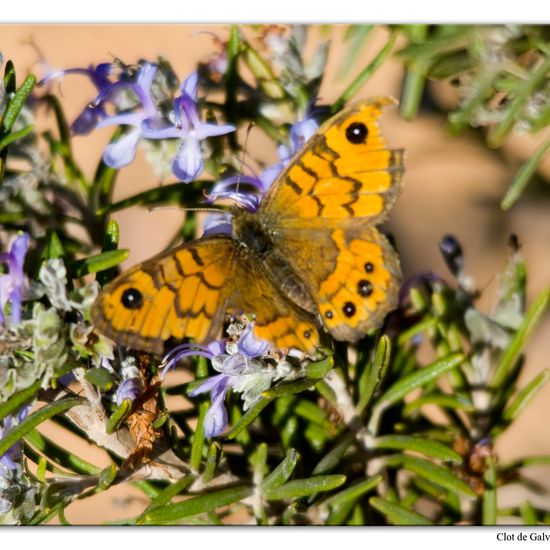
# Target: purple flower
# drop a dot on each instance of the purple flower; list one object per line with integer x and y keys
{"x": 188, "y": 163}
{"x": 146, "y": 122}
{"x": 131, "y": 386}
{"x": 238, "y": 372}
{"x": 251, "y": 346}
{"x": 188, "y": 350}
{"x": 87, "y": 120}
{"x": 229, "y": 188}
{"x": 218, "y": 222}
{"x": 9, "y": 460}
{"x": 239, "y": 369}
{"x": 130, "y": 389}
{"x": 14, "y": 284}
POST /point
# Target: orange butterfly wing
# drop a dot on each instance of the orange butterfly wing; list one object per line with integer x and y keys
{"x": 323, "y": 209}
{"x": 345, "y": 171}
{"x": 178, "y": 293}
{"x": 186, "y": 292}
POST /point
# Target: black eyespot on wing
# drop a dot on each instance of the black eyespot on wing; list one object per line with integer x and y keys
{"x": 369, "y": 267}
{"x": 357, "y": 133}
{"x": 307, "y": 334}
{"x": 349, "y": 309}
{"x": 329, "y": 314}
{"x": 132, "y": 298}
{"x": 364, "y": 288}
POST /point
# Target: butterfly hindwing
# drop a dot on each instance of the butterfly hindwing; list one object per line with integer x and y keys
{"x": 277, "y": 319}
{"x": 352, "y": 273}
{"x": 364, "y": 285}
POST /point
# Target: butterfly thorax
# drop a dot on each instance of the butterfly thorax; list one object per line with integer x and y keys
{"x": 249, "y": 230}
{"x": 259, "y": 243}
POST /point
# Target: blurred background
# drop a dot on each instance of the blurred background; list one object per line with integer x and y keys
{"x": 452, "y": 184}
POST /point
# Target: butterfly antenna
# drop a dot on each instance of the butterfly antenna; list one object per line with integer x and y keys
{"x": 183, "y": 209}
{"x": 248, "y": 130}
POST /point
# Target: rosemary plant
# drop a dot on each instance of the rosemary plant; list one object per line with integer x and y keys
{"x": 397, "y": 429}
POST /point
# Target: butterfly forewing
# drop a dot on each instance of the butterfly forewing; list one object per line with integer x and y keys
{"x": 345, "y": 171}
{"x": 180, "y": 293}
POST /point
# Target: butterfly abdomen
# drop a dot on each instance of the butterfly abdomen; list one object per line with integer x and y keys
{"x": 290, "y": 283}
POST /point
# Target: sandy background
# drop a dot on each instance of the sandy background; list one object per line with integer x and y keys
{"x": 452, "y": 185}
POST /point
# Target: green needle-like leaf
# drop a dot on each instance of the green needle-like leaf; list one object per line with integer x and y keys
{"x": 303, "y": 487}
{"x": 35, "y": 419}
{"x": 174, "y": 489}
{"x": 110, "y": 242}
{"x": 60, "y": 455}
{"x": 364, "y": 75}
{"x": 518, "y": 341}
{"x": 17, "y": 102}
{"x": 432, "y": 449}
{"x": 530, "y": 461}
{"x": 432, "y": 472}
{"x": 14, "y": 136}
{"x": 351, "y": 494}
{"x": 119, "y": 416}
{"x": 289, "y": 388}
{"x": 396, "y": 514}
{"x": 112, "y": 236}
{"x": 9, "y": 80}
{"x": 418, "y": 379}
{"x": 525, "y": 396}
{"x": 489, "y": 511}
{"x": 248, "y": 417}
{"x": 528, "y": 514}
{"x": 198, "y": 437}
{"x": 499, "y": 131}
{"x": 311, "y": 412}
{"x": 524, "y": 175}
{"x": 41, "y": 469}
{"x": 53, "y": 247}
{"x": 175, "y": 193}
{"x": 196, "y": 505}
{"x": 101, "y": 190}
{"x": 356, "y": 37}
{"x": 212, "y": 460}
{"x": 319, "y": 369}
{"x": 100, "y": 262}
{"x": 232, "y": 78}
{"x": 106, "y": 478}
{"x": 100, "y": 377}
{"x": 263, "y": 73}
{"x": 415, "y": 74}
{"x": 458, "y": 402}
{"x": 333, "y": 457}
{"x": 282, "y": 472}
{"x": 17, "y": 400}
{"x": 373, "y": 374}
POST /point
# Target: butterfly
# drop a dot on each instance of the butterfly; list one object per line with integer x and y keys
{"x": 309, "y": 261}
